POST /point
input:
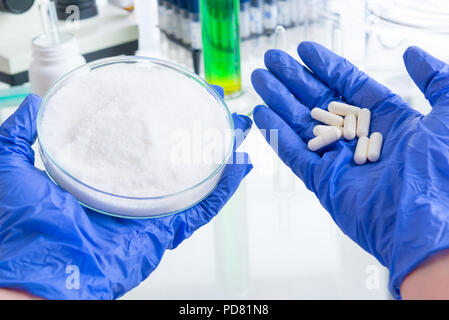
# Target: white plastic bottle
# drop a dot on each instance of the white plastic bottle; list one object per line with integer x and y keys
{"x": 52, "y": 60}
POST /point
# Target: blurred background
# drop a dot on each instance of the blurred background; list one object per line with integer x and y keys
{"x": 273, "y": 240}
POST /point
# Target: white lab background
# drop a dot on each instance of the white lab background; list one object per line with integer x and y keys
{"x": 274, "y": 240}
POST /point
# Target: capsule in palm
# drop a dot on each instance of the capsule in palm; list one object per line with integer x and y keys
{"x": 375, "y": 146}
{"x": 326, "y": 117}
{"x": 342, "y": 109}
{"x": 318, "y": 129}
{"x": 350, "y": 126}
{"x": 361, "y": 150}
{"x": 363, "y": 122}
{"x": 326, "y": 138}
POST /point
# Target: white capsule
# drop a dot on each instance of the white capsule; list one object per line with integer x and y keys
{"x": 326, "y": 117}
{"x": 361, "y": 150}
{"x": 363, "y": 122}
{"x": 374, "y": 147}
{"x": 328, "y": 137}
{"x": 318, "y": 129}
{"x": 350, "y": 126}
{"x": 342, "y": 109}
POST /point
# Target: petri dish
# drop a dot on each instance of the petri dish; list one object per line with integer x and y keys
{"x": 130, "y": 206}
{"x": 393, "y": 26}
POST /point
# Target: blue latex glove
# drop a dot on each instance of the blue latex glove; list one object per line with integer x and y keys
{"x": 397, "y": 209}
{"x": 44, "y": 231}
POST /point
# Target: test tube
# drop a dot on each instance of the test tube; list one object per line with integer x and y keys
{"x": 270, "y": 13}
{"x": 49, "y": 20}
{"x": 299, "y": 12}
{"x": 284, "y": 13}
{"x": 245, "y": 27}
{"x": 314, "y": 8}
{"x": 161, "y": 14}
{"x": 163, "y": 38}
{"x": 221, "y": 44}
{"x": 169, "y": 23}
{"x": 195, "y": 24}
{"x": 185, "y": 22}
{"x": 336, "y": 42}
{"x": 280, "y": 38}
{"x": 177, "y": 20}
{"x": 294, "y": 5}
{"x": 193, "y": 7}
{"x": 256, "y": 17}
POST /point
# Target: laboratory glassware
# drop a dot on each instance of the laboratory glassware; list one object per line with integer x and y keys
{"x": 161, "y": 14}
{"x": 284, "y": 13}
{"x": 280, "y": 38}
{"x": 245, "y": 19}
{"x": 177, "y": 20}
{"x": 256, "y": 17}
{"x": 169, "y": 18}
{"x": 196, "y": 44}
{"x": 270, "y": 13}
{"x": 122, "y": 206}
{"x": 391, "y": 27}
{"x": 185, "y": 23}
{"x": 221, "y": 44}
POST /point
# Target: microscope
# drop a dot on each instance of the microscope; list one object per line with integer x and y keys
{"x": 103, "y": 30}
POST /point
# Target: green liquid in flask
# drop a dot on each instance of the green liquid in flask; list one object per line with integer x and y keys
{"x": 221, "y": 43}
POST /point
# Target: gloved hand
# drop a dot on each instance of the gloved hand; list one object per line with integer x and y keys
{"x": 46, "y": 236}
{"x": 397, "y": 209}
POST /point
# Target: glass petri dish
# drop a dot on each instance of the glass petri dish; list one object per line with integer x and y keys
{"x": 430, "y": 15}
{"x": 393, "y": 26}
{"x": 124, "y": 206}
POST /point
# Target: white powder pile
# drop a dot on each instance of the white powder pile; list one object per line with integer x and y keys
{"x": 134, "y": 130}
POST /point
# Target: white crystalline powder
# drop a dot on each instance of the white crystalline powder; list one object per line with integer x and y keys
{"x": 134, "y": 131}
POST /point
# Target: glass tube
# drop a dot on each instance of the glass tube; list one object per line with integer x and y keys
{"x": 221, "y": 43}
{"x": 284, "y": 13}
{"x": 195, "y": 34}
{"x": 177, "y": 20}
{"x": 169, "y": 15}
{"x": 245, "y": 26}
{"x": 185, "y": 23}
{"x": 195, "y": 24}
{"x": 161, "y": 14}
{"x": 256, "y": 17}
{"x": 280, "y": 38}
{"x": 270, "y": 13}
